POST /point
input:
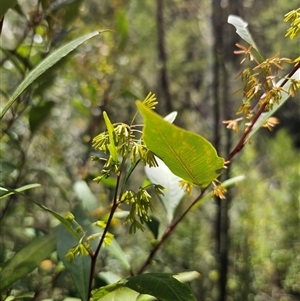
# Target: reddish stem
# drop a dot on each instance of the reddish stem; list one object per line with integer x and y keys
{"x": 236, "y": 149}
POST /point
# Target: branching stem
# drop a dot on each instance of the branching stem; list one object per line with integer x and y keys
{"x": 239, "y": 146}
{"x": 242, "y": 140}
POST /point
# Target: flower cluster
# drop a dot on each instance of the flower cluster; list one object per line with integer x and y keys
{"x": 119, "y": 142}
{"x": 140, "y": 206}
{"x": 293, "y": 17}
{"x": 84, "y": 248}
{"x": 259, "y": 87}
{"x": 122, "y": 146}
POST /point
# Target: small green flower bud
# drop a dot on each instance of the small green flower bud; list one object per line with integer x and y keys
{"x": 69, "y": 216}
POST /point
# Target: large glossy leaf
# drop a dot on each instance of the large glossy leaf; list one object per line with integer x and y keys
{"x": 44, "y": 66}
{"x": 173, "y": 194}
{"x": 188, "y": 155}
{"x": 160, "y": 285}
{"x": 162, "y": 175}
{"x": 284, "y": 96}
{"x": 26, "y": 260}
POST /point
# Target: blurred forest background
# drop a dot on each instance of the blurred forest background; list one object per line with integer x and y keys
{"x": 246, "y": 247}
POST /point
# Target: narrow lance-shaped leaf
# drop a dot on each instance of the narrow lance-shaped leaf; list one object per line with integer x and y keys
{"x": 188, "y": 155}
{"x": 44, "y": 66}
{"x": 5, "y": 192}
{"x": 241, "y": 29}
{"x": 26, "y": 260}
{"x": 112, "y": 137}
{"x": 63, "y": 221}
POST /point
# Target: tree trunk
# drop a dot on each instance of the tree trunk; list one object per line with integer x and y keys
{"x": 163, "y": 80}
{"x": 222, "y": 110}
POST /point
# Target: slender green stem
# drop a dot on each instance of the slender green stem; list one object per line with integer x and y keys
{"x": 95, "y": 254}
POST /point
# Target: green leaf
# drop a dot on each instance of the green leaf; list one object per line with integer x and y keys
{"x": 188, "y": 155}
{"x": 24, "y": 296}
{"x": 112, "y": 137}
{"x": 187, "y": 276}
{"x": 81, "y": 265}
{"x": 63, "y": 221}
{"x": 146, "y": 298}
{"x": 117, "y": 293}
{"x": 39, "y": 114}
{"x": 160, "y": 285}
{"x": 109, "y": 277}
{"x": 284, "y": 96}
{"x": 52, "y": 59}
{"x": 153, "y": 226}
{"x": 115, "y": 249}
{"x": 122, "y": 29}
{"x": 163, "y": 176}
{"x": 98, "y": 293}
{"x": 26, "y": 260}
{"x": 85, "y": 195}
{"x": 241, "y": 29}
{"x": 4, "y": 191}
{"x": 129, "y": 170}
{"x": 109, "y": 182}
{"x": 5, "y": 6}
